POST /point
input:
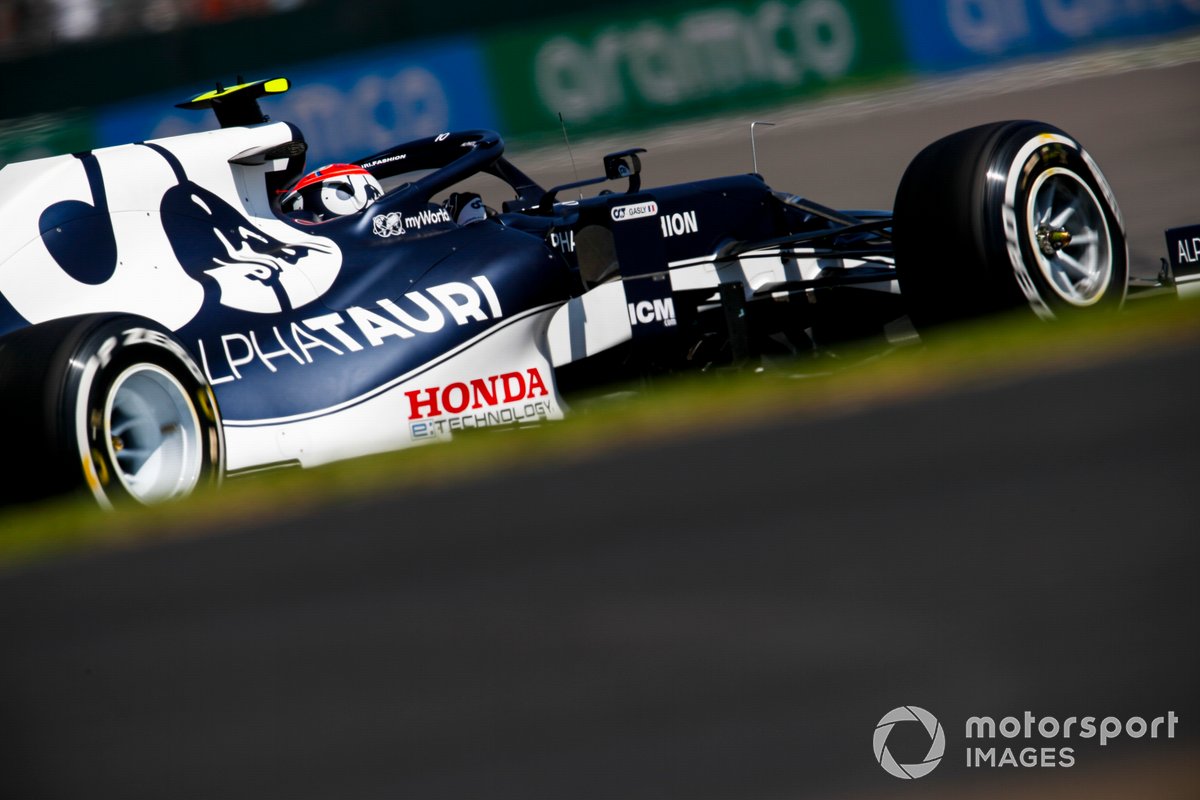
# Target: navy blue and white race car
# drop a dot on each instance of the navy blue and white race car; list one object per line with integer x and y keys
{"x": 176, "y": 310}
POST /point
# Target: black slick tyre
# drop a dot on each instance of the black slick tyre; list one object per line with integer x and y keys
{"x": 109, "y": 404}
{"x": 1003, "y": 216}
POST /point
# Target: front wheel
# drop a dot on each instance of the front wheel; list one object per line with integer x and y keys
{"x": 1003, "y": 216}
{"x": 111, "y": 403}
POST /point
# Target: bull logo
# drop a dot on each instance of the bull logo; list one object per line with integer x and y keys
{"x": 255, "y": 270}
{"x": 158, "y": 244}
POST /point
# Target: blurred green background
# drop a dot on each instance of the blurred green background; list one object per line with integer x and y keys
{"x": 81, "y": 74}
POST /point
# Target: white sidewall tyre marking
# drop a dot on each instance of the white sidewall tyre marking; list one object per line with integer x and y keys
{"x": 1111, "y": 199}
{"x": 82, "y": 411}
{"x": 1012, "y": 232}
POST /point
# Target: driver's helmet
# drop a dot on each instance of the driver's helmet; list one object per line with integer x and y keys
{"x": 333, "y": 191}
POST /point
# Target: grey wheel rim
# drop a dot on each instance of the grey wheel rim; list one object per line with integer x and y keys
{"x": 154, "y": 434}
{"x": 1070, "y": 237}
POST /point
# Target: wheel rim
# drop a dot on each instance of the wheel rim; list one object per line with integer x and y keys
{"x": 153, "y": 434}
{"x": 1069, "y": 235}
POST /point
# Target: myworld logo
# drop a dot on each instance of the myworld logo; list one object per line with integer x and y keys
{"x": 937, "y": 742}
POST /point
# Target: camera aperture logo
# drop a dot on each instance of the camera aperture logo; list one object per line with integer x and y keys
{"x": 937, "y": 742}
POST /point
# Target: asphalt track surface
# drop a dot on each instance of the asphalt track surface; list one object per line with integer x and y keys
{"x": 727, "y": 616}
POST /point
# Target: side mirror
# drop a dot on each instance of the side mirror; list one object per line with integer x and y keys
{"x": 625, "y": 164}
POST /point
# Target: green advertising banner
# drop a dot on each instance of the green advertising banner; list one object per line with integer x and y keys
{"x": 676, "y": 60}
{"x": 44, "y": 135}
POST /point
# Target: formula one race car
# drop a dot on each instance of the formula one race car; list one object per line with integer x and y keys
{"x": 177, "y": 310}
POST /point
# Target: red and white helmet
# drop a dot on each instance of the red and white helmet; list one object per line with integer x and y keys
{"x": 333, "y": 191}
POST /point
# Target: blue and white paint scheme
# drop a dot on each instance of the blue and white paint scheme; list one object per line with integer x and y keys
{"x": 435, "y": 310}
{"x": 309, "y": 334}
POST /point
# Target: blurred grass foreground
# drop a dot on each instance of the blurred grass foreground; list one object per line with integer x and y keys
{"x": 978, "y": 354}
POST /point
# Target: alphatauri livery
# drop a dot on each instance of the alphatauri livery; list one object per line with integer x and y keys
{"x": 176, "y": 310}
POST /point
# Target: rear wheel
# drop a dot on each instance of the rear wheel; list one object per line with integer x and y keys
{"x": 1004, "y": 216}
{"x": 111, "y": 403}
{"x": 154, "y": 434}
